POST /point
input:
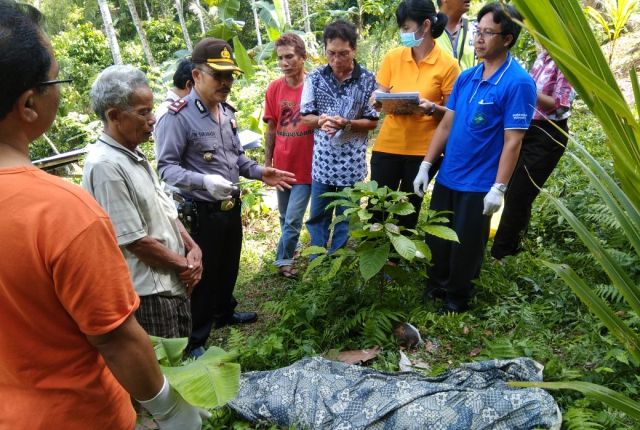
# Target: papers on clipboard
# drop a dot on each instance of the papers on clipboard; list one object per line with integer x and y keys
{"x": 404, "y": 103}
{"x": 250, "y": 139}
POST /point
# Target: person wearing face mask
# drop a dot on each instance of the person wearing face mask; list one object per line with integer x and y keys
{"x": 417, "y": 66}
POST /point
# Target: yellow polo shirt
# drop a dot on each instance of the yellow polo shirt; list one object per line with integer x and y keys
{"x": 433, "y": 78}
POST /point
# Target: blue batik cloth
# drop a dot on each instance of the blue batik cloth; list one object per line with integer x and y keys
{"x": 315, "y": 393}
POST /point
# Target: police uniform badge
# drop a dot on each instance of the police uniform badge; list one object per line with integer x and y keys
{"x": 200, "y": 106}
{"x": 208, "y": 156}
{"x": 177, "y": 106}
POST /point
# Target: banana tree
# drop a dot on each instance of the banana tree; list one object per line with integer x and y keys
{"x": 562, "y": 28}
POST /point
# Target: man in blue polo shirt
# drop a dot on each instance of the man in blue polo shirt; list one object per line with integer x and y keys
{"x": 489, "y": 111}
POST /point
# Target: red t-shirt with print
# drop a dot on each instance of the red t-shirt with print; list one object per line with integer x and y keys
{"x": 294, "y": 140}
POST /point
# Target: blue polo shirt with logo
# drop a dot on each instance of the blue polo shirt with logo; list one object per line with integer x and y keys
{"x": 484, "y": 109}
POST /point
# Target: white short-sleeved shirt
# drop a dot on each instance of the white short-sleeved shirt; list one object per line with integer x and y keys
{"x": 126, "y": 186}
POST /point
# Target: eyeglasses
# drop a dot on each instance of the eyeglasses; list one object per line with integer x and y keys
{"x": 220, "y": 76}
{"x": 54, "y": 82}
{"x": 487, "y": 34}
{"x": 341, "y": 54}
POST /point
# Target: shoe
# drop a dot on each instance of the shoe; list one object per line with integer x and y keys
{"x": 433, "y": 294}
{"x": 453, "y": 308}
{"x": 196, "y": 353}
{"x": 237, "y": 318}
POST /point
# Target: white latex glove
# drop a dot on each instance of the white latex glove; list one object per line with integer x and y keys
{"x": 421, "y": 181}
{"x": 493, "y": 200}
{"x": 172, "y": 412}
{"x": 218, "y": 187}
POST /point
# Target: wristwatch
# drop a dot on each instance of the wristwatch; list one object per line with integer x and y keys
{"x": 347, "y": 126}
{"x": 500, "y": 187}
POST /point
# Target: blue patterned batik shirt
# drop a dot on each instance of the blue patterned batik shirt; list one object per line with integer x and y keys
{"x": 340, "y": 160}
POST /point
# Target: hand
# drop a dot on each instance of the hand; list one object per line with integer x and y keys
{"x": 278, "y": 178}
{"x": 218, "y": 187}
{"x": 426, "y": 107}
{"x": 493, "y": 200}
{"x": 375, "y": 103}
{"x": 421, "y": 182}
{"x": 172, "y": 412}
{"x": 192, "y": 275}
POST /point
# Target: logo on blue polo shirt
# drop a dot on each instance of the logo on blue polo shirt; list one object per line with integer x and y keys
{"x": 479, "y": 118}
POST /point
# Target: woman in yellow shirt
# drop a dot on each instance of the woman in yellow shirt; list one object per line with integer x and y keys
{"x": 417, "y": 66}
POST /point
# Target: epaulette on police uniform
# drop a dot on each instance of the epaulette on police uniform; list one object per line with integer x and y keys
{"x": 227, "y": 105}
{"x": 177, "y": 106}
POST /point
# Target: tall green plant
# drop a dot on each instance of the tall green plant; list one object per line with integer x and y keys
{"x": 615, "y": 16}
{"x": 562, "y": 29}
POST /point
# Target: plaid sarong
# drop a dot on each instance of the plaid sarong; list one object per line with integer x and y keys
{"x": 165, "y": 316}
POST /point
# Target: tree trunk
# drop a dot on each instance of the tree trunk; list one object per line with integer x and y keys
{"x": 196, "y": 8}
{"x": 146, "y": 9}
{"x": 143, "y": 37}
{"x": 185, "y": 32}
{"x": 256, "y": 20}
{"x": 112, "y": 39}
{"x": 287, "y": 12}
{"x": 305, "y": 16}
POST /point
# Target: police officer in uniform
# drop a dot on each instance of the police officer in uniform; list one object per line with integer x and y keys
{"x": 200, "y": 154}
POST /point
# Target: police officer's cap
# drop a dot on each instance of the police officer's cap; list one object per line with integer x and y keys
{"x": 216, "y": 53}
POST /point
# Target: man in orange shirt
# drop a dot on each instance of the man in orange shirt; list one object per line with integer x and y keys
{"x": 71, "y": 351}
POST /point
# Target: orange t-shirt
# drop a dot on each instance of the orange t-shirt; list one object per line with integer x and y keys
{"x": 62, "y": 277}
{"x": 433, "y": 78}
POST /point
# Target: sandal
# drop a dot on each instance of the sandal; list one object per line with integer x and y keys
{"x": 288, "y": 272}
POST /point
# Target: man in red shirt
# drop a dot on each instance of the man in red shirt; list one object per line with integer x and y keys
{"x": 289, "y": 145}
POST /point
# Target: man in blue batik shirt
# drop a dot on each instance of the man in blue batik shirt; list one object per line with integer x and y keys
{"x": 335, "y": 101}
{"x": 489, "y": 111}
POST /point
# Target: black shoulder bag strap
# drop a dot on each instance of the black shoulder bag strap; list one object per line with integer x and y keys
{"x": 463, "y": 42}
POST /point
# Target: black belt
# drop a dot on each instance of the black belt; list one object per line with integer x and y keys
{"x": 218, "y": 205}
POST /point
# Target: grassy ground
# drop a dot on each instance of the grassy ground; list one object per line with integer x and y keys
{"x": 520, "y": 309}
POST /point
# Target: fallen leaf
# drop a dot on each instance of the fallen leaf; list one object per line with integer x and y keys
{"x": 475, "y": 351}
{"x": 421, "y": 364}
{"x": 429, "y": 346}
{"x": 465, "y": 330}
{"x": 358, "y": 356}
{"x": 488, "y": 333}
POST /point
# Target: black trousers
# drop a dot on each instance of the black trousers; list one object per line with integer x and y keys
{"x": 398, "y": 172}
{"x": 542, "y": 148}
{"x": 455, "y": 265}
{"x": 219, "y": 235}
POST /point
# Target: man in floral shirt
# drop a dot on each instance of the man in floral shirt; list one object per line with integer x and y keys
{"x": 542, "y": 147}
{"x": 335, "y": 102}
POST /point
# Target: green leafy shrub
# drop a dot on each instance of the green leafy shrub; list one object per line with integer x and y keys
{"x": 165, "y": 37}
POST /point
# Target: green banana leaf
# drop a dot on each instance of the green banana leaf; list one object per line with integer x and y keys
{"x": 208, "y": 382}
{"x": 169, "y": 351}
